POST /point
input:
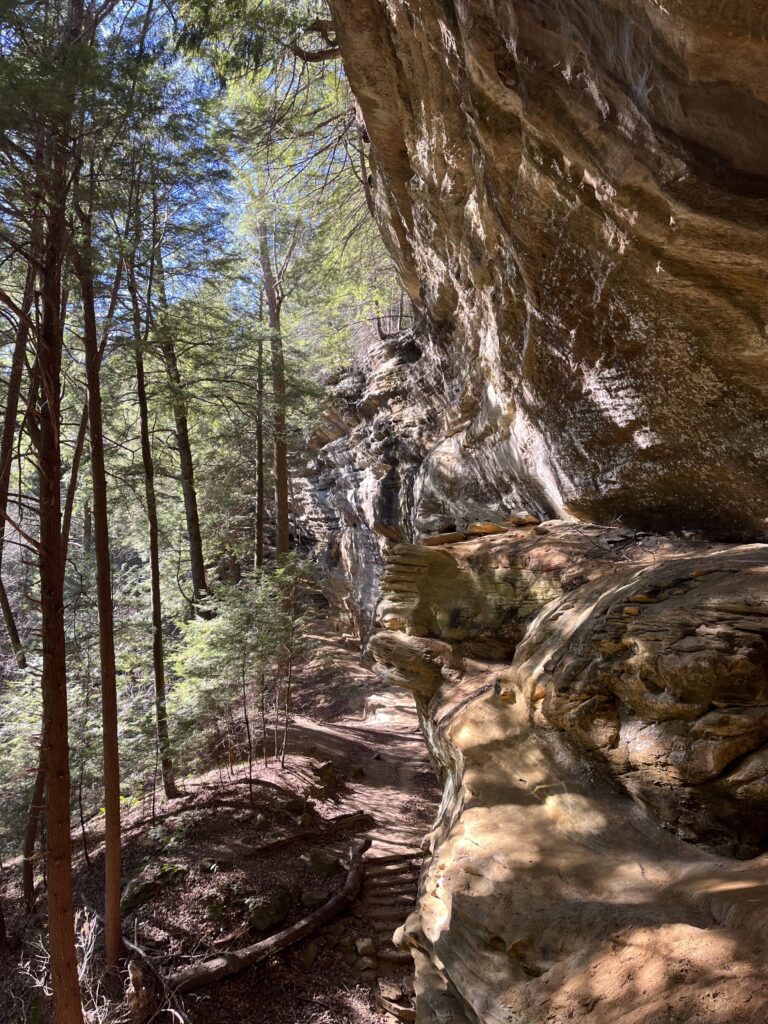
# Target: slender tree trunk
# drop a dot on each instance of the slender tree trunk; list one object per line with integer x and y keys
{"x": 74, "y": 474}
{"x": 66, "y": 990}
{"x": 274, "y": 303}
{"x": 247, "y": 732}
{"x": 33, "y": 819}
{"x": 112, "y": 871}
{"x": 264, "y": 720}
{"x": 260, "y": 457}
{"x": 9, "y": 431}
{"x": 288, "y": 695}
{"x": 196, "y": 561}
{"x": 140, "y": 335}
{"x": 189, "y": 491}
{"x": 81, "y": 810}
{"x": 87, "y": 529}
{"x": 158, "y": 652}
{"x": 290, "y": 606}
{"x": 10, "y": 626}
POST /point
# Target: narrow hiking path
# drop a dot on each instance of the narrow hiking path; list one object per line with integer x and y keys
{"x": 202, "y": 871}
{"x": 364, "y": 743}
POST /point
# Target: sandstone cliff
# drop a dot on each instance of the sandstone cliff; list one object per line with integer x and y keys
{"x": 597, "y": 705}
{"x": 575, "y": 192}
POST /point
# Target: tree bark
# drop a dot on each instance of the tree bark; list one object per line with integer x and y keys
{"x": 10, "y": 626}
{"x": 194, "y": 535}
{"x": 66, "y": 989}
{"x": 158, "y": 650}
{"x": 274, "y": 304}
{"x": 260, "y": 456}
{"x": 111, "y": 757}
{"x": 189, "y": 491}
{"x": 9, "y": 433}
{"x": 30, "y": 834}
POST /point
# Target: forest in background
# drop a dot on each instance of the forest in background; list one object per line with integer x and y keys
{"x": 187, "y": 249}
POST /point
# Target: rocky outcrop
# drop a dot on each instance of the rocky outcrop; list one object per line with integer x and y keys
{"x": 576, "y": 195}
{"x": 597, "y": 705}
{"x": 357, "y": 492}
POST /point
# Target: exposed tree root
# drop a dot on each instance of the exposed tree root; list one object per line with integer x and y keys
{"x": 198, "y": 975}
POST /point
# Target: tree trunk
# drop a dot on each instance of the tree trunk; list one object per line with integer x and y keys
{"x": 30, "y": 835}
{"x": 260, "y": 457}
{"x": 196, "y": 561}
{"x": 10, "y": 626}
{"x": 189, "y": 491}
{"x": 274, "y": 303}
{"x": 194, "y": 535}
{"x": 9, "y": 433}
{"x": 112, "y": 832}
{"x": 158, "y": 652}
{"x": 66, "y": 989}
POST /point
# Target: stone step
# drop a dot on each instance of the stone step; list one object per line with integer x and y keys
{"x": 392, "y": 858}
{"x": 395, "y": 956}
{"x": 395, "y": 914}
{"x": 392, "y": 871}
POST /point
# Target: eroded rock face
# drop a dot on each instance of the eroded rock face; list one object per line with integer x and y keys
{"x": 357, "y": 495}
{"x": 597, "y": 704}
{"x": 576, "y": 192}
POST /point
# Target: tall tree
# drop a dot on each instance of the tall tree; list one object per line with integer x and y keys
{"x": 260, "y": 488}
{"x": 82, "y": 256}
{"x": 57, "y": 176}
{"x": 178, "y": 401}
{"x": 140, "y": 332}
{"x": 9, "y": 428}
{"x": 274, "y": 297}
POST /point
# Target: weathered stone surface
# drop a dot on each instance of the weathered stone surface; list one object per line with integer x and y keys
{"x": 602, "y": 781}
{"x": 142, "y": 887}
{"x": 323, "y": 862}
{"x": 358, "y": 492}
{"x": 267, "y": 911}
{"x": 576, "y": 193}
{"x": 313, "y": 898}
{"x": 139, "y": 891}
{"x": 366, "y": 946}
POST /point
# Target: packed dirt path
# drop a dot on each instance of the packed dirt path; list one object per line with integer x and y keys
{"x": 373, "y": 758}
{"x": 201, "y": 866}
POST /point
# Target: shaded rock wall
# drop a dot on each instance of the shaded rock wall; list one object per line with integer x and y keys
{"x": 576, "y": 193}
{"x": 357, "y": 494}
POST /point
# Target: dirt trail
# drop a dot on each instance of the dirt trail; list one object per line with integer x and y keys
{"x": 387, "y": 773}
{"x": 350, "y": 972}
{"x": 206, "y": 859}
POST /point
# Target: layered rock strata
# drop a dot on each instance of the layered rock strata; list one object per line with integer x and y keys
{"x": 597, "y": 705}
{"x": 576, "y": 193}
{"x": 356, "y": 496}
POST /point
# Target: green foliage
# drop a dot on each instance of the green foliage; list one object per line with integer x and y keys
{"x": 240, "y": 37}
{"x": 241, "y": 658}
{"x": 193, "y": 125}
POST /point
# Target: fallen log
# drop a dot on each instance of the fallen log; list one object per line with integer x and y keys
{"x": 226, "y": 964}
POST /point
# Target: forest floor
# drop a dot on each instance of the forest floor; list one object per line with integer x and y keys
{"x": 210, "y": 870}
